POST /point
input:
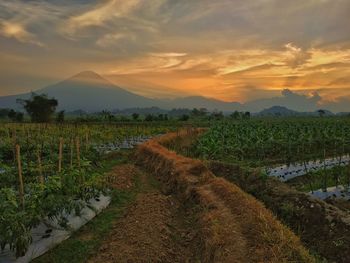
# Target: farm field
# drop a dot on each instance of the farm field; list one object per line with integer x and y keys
{"x": 54, "y": 181}
{"x": 50, "y": 174}
{"x": 163, "y": 131}
{"x": 285, "y": 148}
{"x": 289, "y": 164}
{"x": 268, "y": 142}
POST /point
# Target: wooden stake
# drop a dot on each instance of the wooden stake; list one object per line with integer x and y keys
{"x": 60, "y": 150}
{"x": 71, "y": 153}
{"x": 41, "y": 177}
{"x": 20, "y": 176}
{"x": 78, "y": 151}
{"x": 86, "y": 141}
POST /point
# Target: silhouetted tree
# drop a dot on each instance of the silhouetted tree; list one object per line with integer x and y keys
{"x": 135, "y": 116}
{"x": 217, "y": 115}
{"x": 4, "y": 113}
{"x": 161, "y": 117}
{"x": 321, "y": 112}
{"x": 107, "y": 115}
{"x": 15, "y": 116}
{"x": 12, "y": 115}
{"x": 247, "y": 115}
{"x": 235, "y": 115}
{"x": 19, "y": 116}
{"x": 60, "y": 116}
{"x": 184, "y": 117}
{"x": 40, "y": 108}
{"x": 199, "y": 112}
{"x": 149, "y": 117}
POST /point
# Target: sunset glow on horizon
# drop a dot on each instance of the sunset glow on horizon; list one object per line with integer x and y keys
{"x": 238, "y": 50}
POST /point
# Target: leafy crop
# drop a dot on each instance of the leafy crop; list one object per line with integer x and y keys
{"x": 266, "y": 142}
{"x": 59, "y": 165}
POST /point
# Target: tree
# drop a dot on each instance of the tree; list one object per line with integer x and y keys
{"x": 135, "y": 116}
{"x": 107, "y": 115}
{"x": 40, "y": 108}
{"x": 161, "y": 117}
{"x": 247, "y": 115}
{"x": 235, "y": 115}
{"x": 19, "y": 116}
{"x": 321, "y": 112}
{"x": 199, "y": 112}
{"x": 217, "y": 115}
{"x": 60, "y": 116}
{"x": 15, "y": 116}
{"x": 203, "y": 111}
{"x": 12, "y": 115}
{"x": 149, "y": 117}
{"x": 184, "y": 117}
{"x": 195, "y": 112}
{"x": 4, "y": 113}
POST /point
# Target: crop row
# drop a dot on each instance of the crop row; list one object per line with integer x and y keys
{"x": 270, "y": 142}
{"x": 48, "y": 171}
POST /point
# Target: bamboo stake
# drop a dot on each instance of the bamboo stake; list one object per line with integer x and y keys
{"x": 41, "y": 177}
{"x": 86, "y": 141}
{"x": 60, "y": 150}
{"x": 78, "y": 151}
{"x": 20, "y": 176}
{"x": 71, "y": 153}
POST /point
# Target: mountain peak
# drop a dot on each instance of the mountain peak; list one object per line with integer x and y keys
{"x": 88, "y": 74}
{"x": 89, "y": 77}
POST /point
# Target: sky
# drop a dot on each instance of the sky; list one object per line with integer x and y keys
{"x": 232, "y": 50}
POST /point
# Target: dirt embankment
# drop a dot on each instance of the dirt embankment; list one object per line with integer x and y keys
{"x": 322, "y": 227}
{"x": 232, "y": 225}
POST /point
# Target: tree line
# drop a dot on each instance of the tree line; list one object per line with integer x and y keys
{"x": 41, "y": 109}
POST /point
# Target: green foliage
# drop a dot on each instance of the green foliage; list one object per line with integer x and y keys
{"x": 68, "y": 191}
{"x": 39, "y": 107}
{"x": 135, "y": 116}
{"x": 15, "y": 116}
{"x": 184, "y": 117}
{"x": 266, "y": 141}
{"x": 60, "y": 117}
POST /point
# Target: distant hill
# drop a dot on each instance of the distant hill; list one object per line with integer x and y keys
{"x": 281, "y": 111}
{"x": 203, "y": 102}
{"x": 85, "y": 91}
{"x": 278, "y": 111}
{"x": 343, "y": 113}
{"x": 89, "y": 92}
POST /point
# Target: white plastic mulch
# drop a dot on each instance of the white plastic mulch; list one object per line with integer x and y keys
{"x": 48, "y": 234}
{"x": 332, "y": 192}
{"x": 129, "y": 143}
{"x": 287, "y": 172}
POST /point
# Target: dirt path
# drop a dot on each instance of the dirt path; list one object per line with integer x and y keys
{"x": 156, "y": 228}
